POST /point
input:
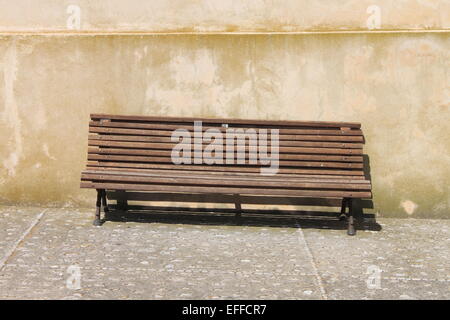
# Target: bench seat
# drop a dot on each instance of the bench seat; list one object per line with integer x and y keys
{"x": 227, "y": 183}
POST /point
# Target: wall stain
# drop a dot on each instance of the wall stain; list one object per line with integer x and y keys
{"x": 11, "y": 114}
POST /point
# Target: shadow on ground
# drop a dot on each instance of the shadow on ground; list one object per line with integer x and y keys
{"x": 260, "y": 218}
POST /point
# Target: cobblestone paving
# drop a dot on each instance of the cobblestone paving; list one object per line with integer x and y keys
{"x": 412, "y": 255}
{"x": 158, "y": 260}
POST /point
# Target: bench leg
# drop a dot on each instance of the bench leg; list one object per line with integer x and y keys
{"x": 97, "y": 208}
{"x": 238, "y": 207}
{"x": 351, "y": 227}
{"x": 104, "y": 202}
{"x": 343, "y": 207}
{"x": 238, "y": 210}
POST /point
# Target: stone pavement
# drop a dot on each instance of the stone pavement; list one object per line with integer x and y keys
{"x": 197, "y": 256}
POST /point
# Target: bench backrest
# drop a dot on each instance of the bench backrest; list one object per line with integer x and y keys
{"x": 305, "y": 147}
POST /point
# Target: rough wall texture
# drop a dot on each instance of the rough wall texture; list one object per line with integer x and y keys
{"x": 223, "y": 15}
{"x": 396, "y": 84}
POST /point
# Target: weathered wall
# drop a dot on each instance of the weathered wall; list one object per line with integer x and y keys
{"x": 223, "y": 15}
{"x": 396, "y": 84}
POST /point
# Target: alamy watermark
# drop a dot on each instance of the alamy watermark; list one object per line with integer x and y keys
{"x": 73, "y": 281}
{"x": 374, "y": 19}
{"x": 374, "y": 279}
{"x": 207, "y": 147}
{"x": 74, "y": 20}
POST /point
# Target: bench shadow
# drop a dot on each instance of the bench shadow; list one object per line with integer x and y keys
{"x": 250, "y": 217}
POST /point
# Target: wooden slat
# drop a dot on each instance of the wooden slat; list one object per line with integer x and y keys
{"x": 170, "y": 146}
{"x": 229, "y": 121}
{"x": 230, "y": 176}
{"x": 164, "y": 133}
{"x": 282, "y": 156}
{"x": 167, "y": 140}
{"x": 190, "y": 127}
{"x": 227, "y": 190}
{"x": 290, "y": 163}
{"x": 324, "y": 171}
{"x": 215, "y": 182}
{"x": 94, "y": 167}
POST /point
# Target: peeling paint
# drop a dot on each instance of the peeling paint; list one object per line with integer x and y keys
{"x": 409, "y": 206}
{"x": 46, "y": 152}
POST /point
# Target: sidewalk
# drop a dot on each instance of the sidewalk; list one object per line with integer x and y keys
{"x": 208, "y": 259}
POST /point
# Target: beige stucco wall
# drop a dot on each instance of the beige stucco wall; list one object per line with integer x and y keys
{"x": 397, "y": 84}
{"x": 223, "y": 15}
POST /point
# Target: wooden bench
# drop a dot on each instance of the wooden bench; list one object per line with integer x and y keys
{"x": 134, "y": 155}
